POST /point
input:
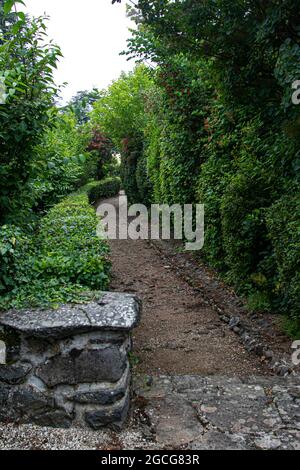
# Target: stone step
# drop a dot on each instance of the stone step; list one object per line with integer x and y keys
{"x": 195, "y": 412}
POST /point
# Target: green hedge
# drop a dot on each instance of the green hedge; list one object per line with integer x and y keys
{"x": 15, "y": 245}
{"x": 65, "y": 261}
{"x": 106, "y": 188}
{"x": 283, "y": 222}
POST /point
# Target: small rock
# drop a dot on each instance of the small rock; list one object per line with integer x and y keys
{"x": 208, "y": 409}
{"x": 149, "y": 381}
{"x": 259, "y": 350}
{"x": 267, "y": 443}
{"x": 234, "y": 321}
{"x": 295, "y": 392}
{"x": 282, "y": 371}
{"x": 100, "y": 397}
{"x": 268, "y": 354}
{"x": 172, "y": 345}
{"x": 225, "y": 319}
{"x": 202, "y": 332}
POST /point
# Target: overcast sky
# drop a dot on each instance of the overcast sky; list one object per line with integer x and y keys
{"x": 91, "y": 34}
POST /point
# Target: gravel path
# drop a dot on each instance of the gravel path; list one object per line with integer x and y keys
{"x": 179, "y": 332}
{"x": 29, "y": 437}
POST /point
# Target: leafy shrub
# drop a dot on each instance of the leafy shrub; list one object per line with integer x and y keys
{"x": 106, "y": 188}
{"x": 120, "y": 114}
{"x": 242, "y": 177}
{"x": 14, "y": 246}
{"x": 66, "y": 163}
{"x": 128, "y": 173}
{"x": 143, "y": 182}
{"x": 283, "y": 222}
{"x": 134, "y": 173}
{"x": 101, "y": 147}
{"x": 69, "y": 246}
{"x": 211, "y": 186}
{"x": 176, "y": 110}
{"x": 26, "y": 63}
{"x": 243, "y": 224}
{"x": 64, "y": 262}
{"x": 112, "y": 168}
{"x": 43, "y": 153}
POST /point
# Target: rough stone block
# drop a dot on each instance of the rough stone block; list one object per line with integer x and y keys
{"x": 12, "y": 341}
{"x": 100, "y": 397}
{"x": 106, "y": 395}
{"x": 54, "y": 419}
{"x": 29, "y": 405}
{"x": 28, "y": 400}
{"x": 114, "y": 417}
{"x": 14, "y": 374}
{"x": 112, "y": 311}
{"x": 4, "y": 395}
{"x": 2, "y": 352}
{"x": 84, "y": 367}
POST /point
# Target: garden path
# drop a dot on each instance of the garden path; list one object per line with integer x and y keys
{"x": 180, "y": 333}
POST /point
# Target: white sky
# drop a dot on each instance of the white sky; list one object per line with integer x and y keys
{"x": 91, "y": 34}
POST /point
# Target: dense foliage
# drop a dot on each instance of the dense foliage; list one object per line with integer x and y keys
{"x": 65, "y": 260}
{"x": 26, "y": 67}
{"x": 64, "y": 160}
{"x": 46, "y": 152}
{"x": 120, "y": 114}
{"x": 220, "y": 128}
{"x": 81, "y": 104}
{"x": 106, "y": 188}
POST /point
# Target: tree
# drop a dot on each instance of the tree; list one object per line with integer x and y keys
{"x": 103, "y": 148}
{"x": 82, "y": 104}
{"x": 26, "y": 63}
{"x": 7, "y": 20}
{"x": 120, "y": 115}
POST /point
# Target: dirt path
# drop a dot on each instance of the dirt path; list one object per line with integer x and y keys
{"x": 179, "y": 332}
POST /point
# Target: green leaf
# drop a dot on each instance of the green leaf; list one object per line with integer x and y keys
{"x": 17, "y": 26}
{"x": 82, "y": 158}
{"x": 8, "y": 6}
{"x": 22, "y": 15}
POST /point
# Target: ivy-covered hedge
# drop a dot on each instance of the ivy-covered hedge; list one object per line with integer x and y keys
{"x": 106, "y": 188}
{"x": 284, "y": 233}
{"x": 64, "y": 261}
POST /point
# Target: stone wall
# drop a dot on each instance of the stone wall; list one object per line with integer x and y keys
{"x": 68, "y": 367}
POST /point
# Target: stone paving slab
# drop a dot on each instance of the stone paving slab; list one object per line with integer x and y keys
{"x": 216, "y": 412}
